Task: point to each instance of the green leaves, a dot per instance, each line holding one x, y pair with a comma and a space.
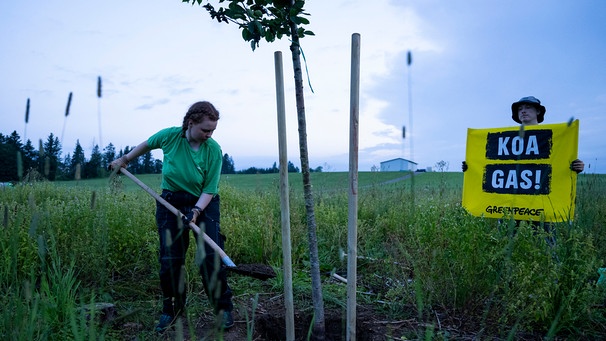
255, 29
236, 12
260, 19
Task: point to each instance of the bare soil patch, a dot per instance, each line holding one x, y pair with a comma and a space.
270, 325
371, 325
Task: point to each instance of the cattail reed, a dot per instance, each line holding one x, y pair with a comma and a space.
69, 103
26, 119
99, 109
77, 173
19, 165
40, 148
27, 112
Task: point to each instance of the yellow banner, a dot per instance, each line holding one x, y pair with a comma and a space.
522, 172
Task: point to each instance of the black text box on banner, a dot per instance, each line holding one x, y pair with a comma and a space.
532, 179
519, 145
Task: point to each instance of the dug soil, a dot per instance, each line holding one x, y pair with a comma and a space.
371, 325
269, 324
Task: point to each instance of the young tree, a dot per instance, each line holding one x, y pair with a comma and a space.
442, 166
271, 19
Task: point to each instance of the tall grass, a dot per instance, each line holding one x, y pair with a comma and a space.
422, 257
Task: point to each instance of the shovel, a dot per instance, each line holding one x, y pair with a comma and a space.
258, 271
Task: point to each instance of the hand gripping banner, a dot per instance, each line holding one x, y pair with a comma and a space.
522, 172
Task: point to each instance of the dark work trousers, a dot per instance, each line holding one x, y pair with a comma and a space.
174, 242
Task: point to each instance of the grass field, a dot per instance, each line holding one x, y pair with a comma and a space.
67, 244
334, 181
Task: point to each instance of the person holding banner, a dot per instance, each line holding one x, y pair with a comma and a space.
528, 111
523, 188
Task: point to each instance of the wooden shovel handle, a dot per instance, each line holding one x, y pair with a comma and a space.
224, 257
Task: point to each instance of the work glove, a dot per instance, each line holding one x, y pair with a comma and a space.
191, 216
464, 166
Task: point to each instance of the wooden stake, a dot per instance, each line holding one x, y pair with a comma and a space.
284, 200
352, 233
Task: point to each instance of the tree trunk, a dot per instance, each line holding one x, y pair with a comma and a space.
318, 330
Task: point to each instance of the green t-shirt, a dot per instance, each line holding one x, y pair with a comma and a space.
184, 169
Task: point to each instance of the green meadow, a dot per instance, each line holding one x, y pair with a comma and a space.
422, 257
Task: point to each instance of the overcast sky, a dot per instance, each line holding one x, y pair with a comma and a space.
471, 60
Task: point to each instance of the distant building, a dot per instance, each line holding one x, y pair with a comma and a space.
398, 165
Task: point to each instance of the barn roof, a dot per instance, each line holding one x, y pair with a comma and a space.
399, 158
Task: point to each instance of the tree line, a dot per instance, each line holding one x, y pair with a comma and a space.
22, 161
229, 168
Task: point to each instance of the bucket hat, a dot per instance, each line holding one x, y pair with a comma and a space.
528, 100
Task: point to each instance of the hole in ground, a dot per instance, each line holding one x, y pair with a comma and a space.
272, 327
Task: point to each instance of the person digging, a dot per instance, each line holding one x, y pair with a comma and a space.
190, 178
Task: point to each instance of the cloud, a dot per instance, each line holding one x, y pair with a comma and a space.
151, 105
